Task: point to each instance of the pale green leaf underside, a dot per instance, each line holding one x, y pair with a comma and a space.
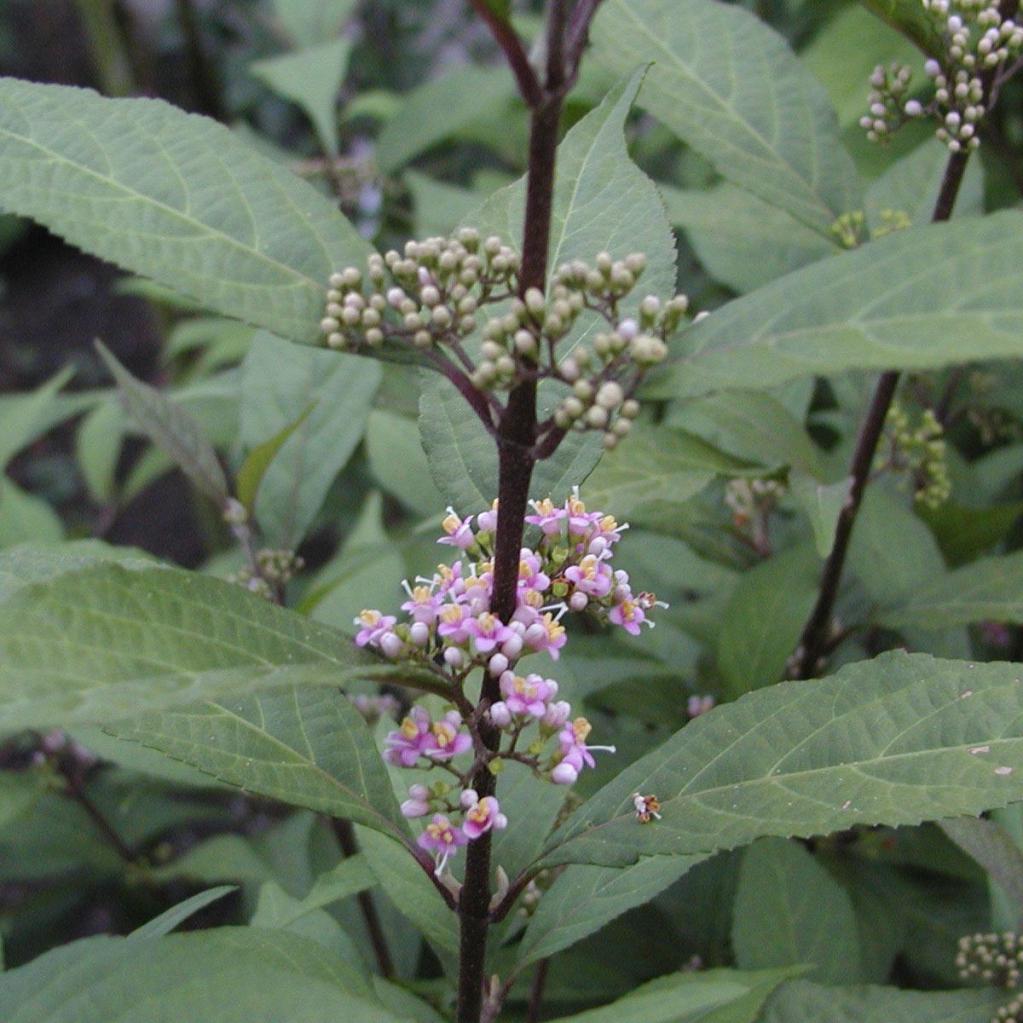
886, 305
173, 197
897, 740
744, 102
104, 642
990, 589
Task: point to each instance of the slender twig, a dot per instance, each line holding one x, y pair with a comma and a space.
515, 53
76, 790
817, 632
578, 36
536, 991
345, 834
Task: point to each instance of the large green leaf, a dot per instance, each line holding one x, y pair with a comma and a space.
313, 21
714, 996
745, 103
227, 975
886, 305
279, 384
174, 197
989, 589
584, 898
39, 562
105, 642
897, 740
804, 1002
790, 910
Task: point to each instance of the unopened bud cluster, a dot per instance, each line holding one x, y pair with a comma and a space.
431, 298
996, 959
977, 40
920, 451
451, 629
273, 568
750, 499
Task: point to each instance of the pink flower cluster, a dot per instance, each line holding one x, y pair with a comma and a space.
449, 627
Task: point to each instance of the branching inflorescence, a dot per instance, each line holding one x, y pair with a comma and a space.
978, 41
450, 628
433, 298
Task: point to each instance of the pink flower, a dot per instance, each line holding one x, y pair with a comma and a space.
629, 615
443, 839
580, 521
529, 696
481, 815
530, 576
697, 705
458, 532
592, 576
575, 754
546, 634
405, 745
373, 626
423, 604
445, 738
547, 516
487, 632
454, 621
418, 803
487, 521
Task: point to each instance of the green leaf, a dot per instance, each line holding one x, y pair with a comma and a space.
410, 890
98, 448
763, 619
105, 642
226, 975
171, 429
398, 462
912, 21
439, 207
583, 899
306, 745
804, 1002
745, 104
441, 108
990, 589
312, 78
823, 503
166, 922
885, 305
278, 909
25, 518
174, 197
657, 466
19, 792
258, 460
991, 845
741, 240
897, 740
687, 997
22, 421
279, 383
463, 457
790, 910
312, 21
40, 562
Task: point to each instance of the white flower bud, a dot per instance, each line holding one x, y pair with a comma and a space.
512, 646
497, 665
610, 395
500, 714
419, 633
454, 657
564, 774
596, 417
391, 645
578, 601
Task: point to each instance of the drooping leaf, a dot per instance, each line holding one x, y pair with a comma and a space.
277, 909
897, 740
763, 619
441, 108
258, 460
583, 899
163, 924
790, 910
311, 77
279, 383
226, 975
745, 104
712, 996
171, 429
805, 1002
312, 21
24, 419
885, 305
174, 197
105, 642
25, 518
990, 589
98, 448
823, 503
